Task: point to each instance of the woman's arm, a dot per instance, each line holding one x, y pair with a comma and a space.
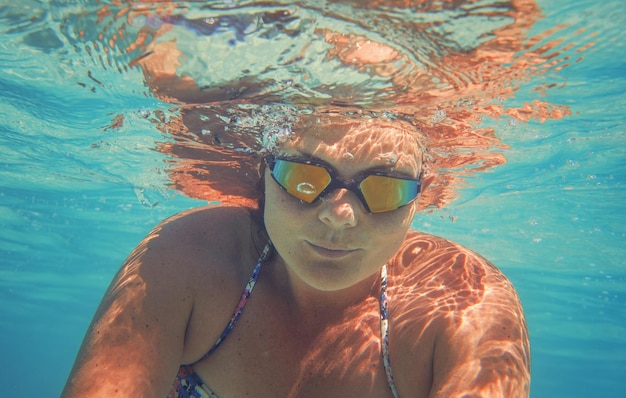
485, 350
134, 345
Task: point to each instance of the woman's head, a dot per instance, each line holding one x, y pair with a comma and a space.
336, 241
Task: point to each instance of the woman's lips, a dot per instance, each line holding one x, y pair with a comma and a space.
330, 251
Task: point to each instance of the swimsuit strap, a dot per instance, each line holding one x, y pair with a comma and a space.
384, 331
242, 301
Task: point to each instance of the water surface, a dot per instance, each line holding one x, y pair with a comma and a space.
83, 173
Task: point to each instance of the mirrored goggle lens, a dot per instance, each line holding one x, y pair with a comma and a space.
304, 181
383, 193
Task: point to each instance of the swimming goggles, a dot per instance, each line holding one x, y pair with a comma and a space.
309, 180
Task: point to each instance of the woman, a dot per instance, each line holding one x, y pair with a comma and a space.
339, 298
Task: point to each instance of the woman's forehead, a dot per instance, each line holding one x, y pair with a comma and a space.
372, 141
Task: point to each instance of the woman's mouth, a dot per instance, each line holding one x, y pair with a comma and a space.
330, 251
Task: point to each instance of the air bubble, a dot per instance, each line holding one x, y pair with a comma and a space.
139, 21
389, 158
439, 116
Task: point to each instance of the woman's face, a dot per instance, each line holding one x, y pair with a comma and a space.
335, 243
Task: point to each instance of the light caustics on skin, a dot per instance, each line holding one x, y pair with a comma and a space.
404, 65
439, 66
131, 284
459, 296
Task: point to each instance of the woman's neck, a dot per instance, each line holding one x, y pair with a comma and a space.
310, 306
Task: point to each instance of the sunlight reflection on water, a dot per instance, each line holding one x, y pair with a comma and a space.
82, 123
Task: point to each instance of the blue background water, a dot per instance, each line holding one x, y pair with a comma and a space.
75, 198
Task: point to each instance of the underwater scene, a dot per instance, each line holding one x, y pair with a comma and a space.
115, 115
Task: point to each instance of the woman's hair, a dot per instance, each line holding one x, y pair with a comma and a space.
221, 158
221, 132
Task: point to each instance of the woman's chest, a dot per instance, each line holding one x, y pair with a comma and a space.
281, 365
267, 354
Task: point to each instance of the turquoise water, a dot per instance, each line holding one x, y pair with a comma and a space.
76, 197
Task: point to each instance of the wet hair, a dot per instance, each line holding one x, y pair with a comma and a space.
218, 134
221, 131
220, 150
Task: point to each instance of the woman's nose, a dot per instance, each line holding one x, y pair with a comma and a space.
340, 209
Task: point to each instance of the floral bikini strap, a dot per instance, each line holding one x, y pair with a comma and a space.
384, 331
242, 301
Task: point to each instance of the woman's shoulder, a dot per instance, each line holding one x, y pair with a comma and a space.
210, 253
448, 303
455, 308
197, 244
434, 255
205, 224
440, 276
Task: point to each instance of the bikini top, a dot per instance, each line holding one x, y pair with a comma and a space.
188, 384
